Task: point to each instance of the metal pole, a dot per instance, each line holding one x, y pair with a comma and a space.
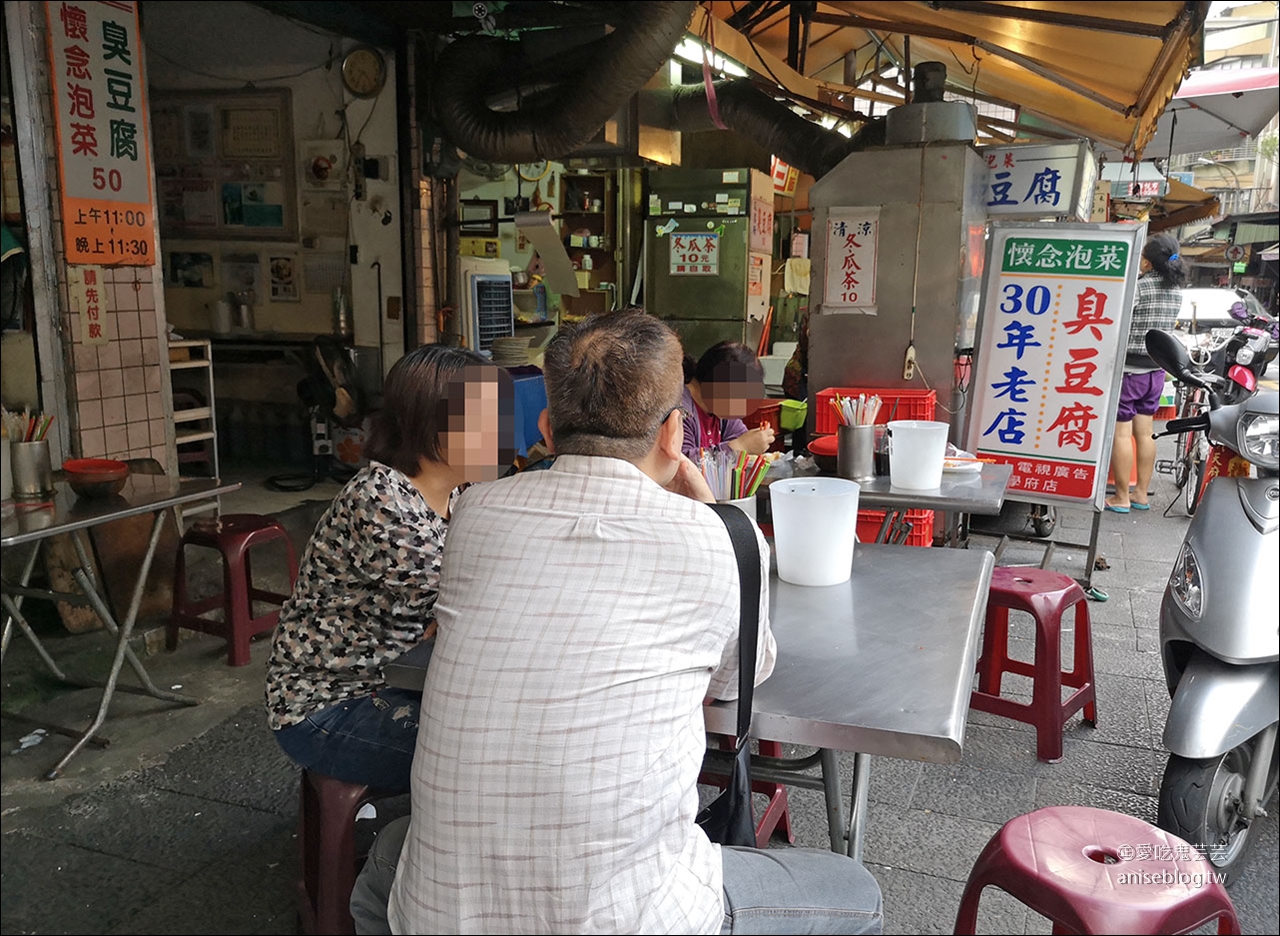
858, 806
831, 790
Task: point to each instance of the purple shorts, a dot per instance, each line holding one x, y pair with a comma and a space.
1139, 393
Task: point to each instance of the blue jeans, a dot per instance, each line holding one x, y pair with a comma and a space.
780, 890
368, 739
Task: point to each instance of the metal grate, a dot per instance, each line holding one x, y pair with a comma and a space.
492, 314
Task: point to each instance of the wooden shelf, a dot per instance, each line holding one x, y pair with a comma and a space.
188, 365
596, 213
193, 414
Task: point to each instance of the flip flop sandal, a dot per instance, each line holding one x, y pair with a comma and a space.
1136, 506
1115, 509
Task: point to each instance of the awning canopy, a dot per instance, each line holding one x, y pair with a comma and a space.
1104, 71
1182, 204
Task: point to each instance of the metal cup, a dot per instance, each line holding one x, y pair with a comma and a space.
855, 452
32, 472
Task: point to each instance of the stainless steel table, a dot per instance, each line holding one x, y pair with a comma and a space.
882, 664
30, 523
961, 492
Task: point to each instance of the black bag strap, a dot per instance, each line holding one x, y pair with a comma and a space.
742, 533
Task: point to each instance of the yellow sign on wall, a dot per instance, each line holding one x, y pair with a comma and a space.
100, 110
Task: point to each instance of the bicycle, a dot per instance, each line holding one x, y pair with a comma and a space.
1192, 447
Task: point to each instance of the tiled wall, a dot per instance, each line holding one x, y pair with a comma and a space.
120, 387
118, 397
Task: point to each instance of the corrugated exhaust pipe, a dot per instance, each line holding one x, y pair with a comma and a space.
752, 113
553, 124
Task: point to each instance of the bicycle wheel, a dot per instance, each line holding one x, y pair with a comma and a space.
1182, 463
1196, 464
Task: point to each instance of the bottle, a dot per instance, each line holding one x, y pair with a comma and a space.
540, 297
341, 313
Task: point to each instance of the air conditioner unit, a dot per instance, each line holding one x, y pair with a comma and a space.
488, 311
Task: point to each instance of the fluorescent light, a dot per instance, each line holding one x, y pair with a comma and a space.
691, 51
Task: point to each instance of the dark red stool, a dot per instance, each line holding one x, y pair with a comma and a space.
1093, 871
1046, 596
327, 859
233, 536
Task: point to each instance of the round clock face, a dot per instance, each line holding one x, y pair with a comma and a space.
364, 71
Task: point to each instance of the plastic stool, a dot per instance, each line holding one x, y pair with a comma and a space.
327, 859
1046, 596
232, 536
1073, 864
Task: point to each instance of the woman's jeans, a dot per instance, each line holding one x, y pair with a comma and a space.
368, 740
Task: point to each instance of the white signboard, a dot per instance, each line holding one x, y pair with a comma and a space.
853, 239
1055, 319
1039, 181
695, 254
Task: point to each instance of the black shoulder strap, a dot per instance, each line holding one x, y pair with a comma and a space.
746, 548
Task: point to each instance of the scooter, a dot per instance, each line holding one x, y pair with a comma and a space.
1218, 626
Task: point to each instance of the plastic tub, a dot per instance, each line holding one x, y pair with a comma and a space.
814, 526
917, 450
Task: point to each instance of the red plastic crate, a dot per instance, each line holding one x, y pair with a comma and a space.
768, 415
912, 404
921, 525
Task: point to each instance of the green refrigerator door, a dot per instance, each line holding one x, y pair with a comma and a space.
686, 277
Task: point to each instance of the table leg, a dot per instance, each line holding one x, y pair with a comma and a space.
16, 617
13, 614
831, 790
124, 631
858, 804
88, 584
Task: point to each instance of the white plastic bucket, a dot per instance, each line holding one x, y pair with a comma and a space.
814, 528
917, 450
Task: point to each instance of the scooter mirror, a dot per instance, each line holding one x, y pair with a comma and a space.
1171, 354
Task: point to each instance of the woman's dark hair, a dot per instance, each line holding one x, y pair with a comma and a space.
728, 360
421, 393
1161, 252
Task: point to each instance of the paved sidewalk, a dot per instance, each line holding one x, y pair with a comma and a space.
160, 834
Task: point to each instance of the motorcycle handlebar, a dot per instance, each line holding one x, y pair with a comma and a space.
1190, 424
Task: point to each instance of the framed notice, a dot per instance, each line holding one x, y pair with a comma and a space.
1051, 341
100, 110
853, 242
694, 255
225, 165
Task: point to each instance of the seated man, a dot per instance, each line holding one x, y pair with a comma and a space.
584, 614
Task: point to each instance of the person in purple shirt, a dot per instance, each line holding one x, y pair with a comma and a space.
723, 386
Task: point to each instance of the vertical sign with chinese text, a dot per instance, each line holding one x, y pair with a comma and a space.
1055, 319
104, 164
88, 297
853, 236
695, 255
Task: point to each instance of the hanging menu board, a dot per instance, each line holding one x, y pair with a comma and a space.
853, 243
1051, 341
100, 108
224, 164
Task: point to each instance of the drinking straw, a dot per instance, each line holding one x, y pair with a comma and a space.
48, 421
29, 435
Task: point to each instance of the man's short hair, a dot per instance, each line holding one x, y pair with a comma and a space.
611, 381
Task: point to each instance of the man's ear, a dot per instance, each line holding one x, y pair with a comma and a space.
670, 440
544, 426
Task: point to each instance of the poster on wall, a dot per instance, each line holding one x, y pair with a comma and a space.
85, 284
191, 270
225, 170
1055, 318
695, 255
100, 111
853, 240
284, 278
241, 273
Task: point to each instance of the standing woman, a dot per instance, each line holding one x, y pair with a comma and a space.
367, 588
1158, 301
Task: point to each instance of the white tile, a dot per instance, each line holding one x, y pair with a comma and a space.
112, 383
93, 443
90, 414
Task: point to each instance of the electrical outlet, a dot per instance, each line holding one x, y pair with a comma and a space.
909, 363
359, 189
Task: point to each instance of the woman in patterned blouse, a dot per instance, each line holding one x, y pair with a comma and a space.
367, 587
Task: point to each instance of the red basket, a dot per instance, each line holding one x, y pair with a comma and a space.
911, 404
768, 415
921, 521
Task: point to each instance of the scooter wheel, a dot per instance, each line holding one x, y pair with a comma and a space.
1199, 803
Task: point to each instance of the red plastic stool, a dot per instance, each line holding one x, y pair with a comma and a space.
233, 537
777, 815
1046, 596
1093, 871
327, 859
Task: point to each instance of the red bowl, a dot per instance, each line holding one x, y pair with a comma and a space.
96, 477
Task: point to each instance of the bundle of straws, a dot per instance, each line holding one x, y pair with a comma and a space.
25, 427
732, 475
856, 411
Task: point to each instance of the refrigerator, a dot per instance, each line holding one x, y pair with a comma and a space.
708, 253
